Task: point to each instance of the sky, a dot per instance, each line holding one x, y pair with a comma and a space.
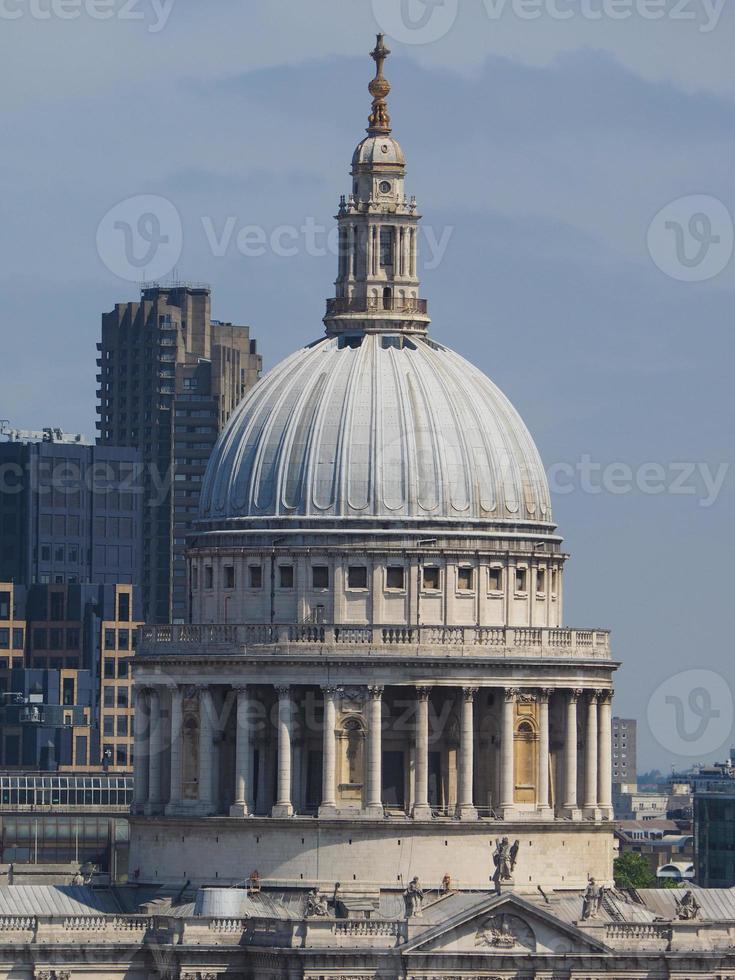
574, 161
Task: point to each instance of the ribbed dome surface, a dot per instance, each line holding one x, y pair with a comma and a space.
378, 431
379, 150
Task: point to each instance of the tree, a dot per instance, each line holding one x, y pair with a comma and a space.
631, 870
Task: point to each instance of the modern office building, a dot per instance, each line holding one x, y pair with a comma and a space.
169, 379
624, 753
714, 827
65, 678
70, 512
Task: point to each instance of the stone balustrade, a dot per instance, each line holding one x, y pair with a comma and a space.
323, 639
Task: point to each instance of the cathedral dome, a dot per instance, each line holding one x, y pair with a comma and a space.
387, 428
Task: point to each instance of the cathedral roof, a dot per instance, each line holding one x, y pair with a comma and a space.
396, 428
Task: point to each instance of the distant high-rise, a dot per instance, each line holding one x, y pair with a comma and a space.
169, 379
70, 512
625, 752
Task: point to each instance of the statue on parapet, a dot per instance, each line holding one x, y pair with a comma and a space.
316, 904
505, 859
414, 899
688, 907
592, 900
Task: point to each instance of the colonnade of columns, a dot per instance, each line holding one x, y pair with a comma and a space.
585, 752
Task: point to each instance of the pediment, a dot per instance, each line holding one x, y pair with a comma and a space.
503, 926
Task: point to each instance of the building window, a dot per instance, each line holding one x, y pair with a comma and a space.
72, 639
320, 577
18, 639
108, 725
123, 668
109, 668
68, 692
109, 639
255, 573
109, 696
465, 579
229, 576
208, 577
123, 607
39, 639
56, 613
286, 577
122, 725
521, 579
496, 579
123, 639
541, 580
56, 639
5, 605
432, 578
395, 578
4, 639
122, 697
357, 577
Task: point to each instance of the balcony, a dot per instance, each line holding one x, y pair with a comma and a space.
393, 304
321, 640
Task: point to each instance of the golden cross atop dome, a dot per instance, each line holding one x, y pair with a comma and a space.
379, 89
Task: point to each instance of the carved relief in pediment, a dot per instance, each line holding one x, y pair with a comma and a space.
505, 932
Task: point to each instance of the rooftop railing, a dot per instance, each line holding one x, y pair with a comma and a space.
470, 641
380, 304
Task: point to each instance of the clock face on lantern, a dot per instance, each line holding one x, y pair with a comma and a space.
385, 187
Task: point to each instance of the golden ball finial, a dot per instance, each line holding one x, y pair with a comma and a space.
379, 88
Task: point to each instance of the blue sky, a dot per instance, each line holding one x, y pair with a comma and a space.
540, 149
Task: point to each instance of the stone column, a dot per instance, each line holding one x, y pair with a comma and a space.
155, 743
465, 797
374, 801
421, 808
507, 757
206, 751
604, 748
591, 759
329, 754
177, 701
570, 756
283, 806
140, 748
242, 754
543, 804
